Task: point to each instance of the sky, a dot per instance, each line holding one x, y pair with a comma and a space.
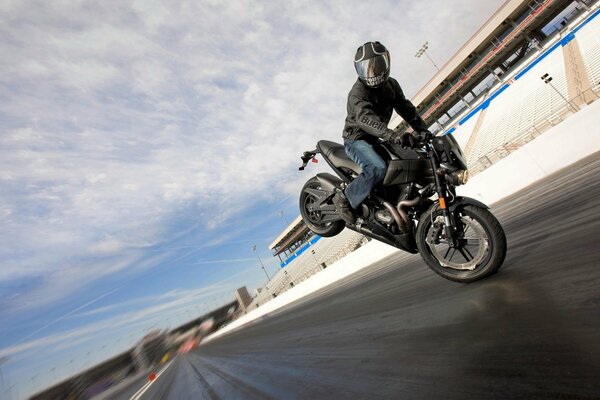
147, 146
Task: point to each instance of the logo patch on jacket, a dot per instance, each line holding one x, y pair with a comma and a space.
372, 123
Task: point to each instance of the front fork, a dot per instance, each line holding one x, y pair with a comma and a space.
441, 189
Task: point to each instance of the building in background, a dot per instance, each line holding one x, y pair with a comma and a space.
243, 298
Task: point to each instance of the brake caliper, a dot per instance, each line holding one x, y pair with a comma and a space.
437, 231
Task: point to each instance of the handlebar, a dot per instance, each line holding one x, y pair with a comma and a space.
306, 157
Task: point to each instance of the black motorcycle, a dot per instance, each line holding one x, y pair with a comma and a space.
415, 208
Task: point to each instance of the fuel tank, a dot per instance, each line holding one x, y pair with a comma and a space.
405, 171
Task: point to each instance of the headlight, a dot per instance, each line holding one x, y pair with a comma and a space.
462, 176
459, 177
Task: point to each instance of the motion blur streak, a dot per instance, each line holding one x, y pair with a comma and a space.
531, 331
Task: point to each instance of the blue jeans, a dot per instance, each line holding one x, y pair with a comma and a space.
373, 170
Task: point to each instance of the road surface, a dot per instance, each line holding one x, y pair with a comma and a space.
402, 332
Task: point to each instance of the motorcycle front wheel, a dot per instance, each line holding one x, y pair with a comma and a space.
481, 244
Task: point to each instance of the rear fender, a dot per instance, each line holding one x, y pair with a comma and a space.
329, 182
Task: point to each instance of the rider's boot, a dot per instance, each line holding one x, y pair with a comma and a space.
343, 208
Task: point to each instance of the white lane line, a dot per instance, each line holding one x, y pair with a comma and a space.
143, 389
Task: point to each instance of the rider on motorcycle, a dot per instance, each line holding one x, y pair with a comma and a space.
370, 103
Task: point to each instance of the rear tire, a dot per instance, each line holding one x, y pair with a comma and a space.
488, 245
314, 219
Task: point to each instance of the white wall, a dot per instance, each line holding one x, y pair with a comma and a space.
353, 262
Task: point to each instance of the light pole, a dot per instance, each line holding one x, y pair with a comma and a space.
287, 278
282, 215
314, 256
32, 380
261, 263
547, 79
9, 391
322, 264
3, 361
423, 51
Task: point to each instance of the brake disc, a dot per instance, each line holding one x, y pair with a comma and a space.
446, 255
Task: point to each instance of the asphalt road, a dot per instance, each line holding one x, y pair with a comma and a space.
402, 332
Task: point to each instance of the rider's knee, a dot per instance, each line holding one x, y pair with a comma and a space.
379, 171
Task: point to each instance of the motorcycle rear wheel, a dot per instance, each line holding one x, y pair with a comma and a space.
481, 251
315, 219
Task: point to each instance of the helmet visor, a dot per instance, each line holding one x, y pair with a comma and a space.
373, 69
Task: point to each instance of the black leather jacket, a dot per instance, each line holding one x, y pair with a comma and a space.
370, 110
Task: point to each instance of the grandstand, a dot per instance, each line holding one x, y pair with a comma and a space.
532, 64
516, 30
312, 257
292, 241
500, 111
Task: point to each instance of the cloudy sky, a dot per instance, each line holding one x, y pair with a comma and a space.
146, 146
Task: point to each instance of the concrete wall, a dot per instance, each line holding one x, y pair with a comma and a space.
575, 138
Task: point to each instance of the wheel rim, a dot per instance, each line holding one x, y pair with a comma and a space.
474, 244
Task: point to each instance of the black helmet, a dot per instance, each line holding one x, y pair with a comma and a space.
372, 63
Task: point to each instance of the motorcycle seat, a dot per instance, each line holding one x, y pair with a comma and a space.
336, 154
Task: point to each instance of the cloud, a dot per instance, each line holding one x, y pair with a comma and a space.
33, 333
148, 133
122, 115
156, 307
127, 126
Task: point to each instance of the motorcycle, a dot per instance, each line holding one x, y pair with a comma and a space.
415, 208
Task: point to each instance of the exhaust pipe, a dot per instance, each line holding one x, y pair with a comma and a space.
405, 220
394, 213
399, 214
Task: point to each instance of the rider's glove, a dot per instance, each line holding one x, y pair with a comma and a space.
424, 135
404, 139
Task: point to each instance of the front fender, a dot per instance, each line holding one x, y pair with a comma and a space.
459, 202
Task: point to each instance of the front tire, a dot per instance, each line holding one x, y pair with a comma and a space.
317, 221
482, 248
